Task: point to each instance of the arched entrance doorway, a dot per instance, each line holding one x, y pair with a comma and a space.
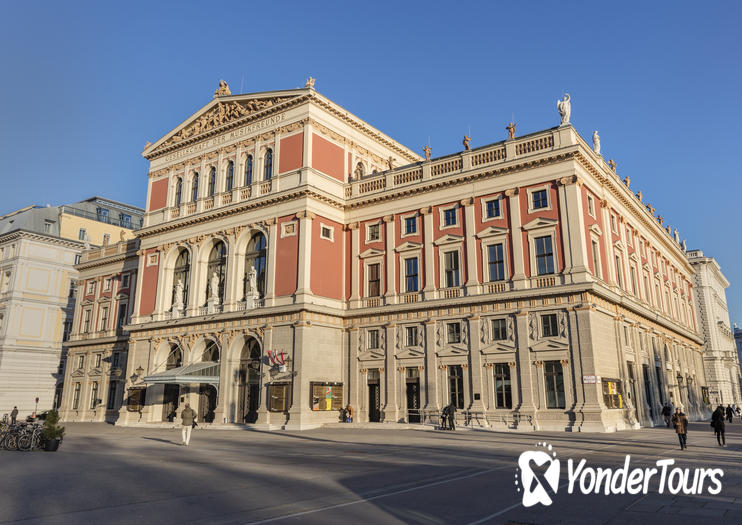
207, 393
171, 392
248, 382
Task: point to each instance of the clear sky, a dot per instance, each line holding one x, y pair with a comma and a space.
85, 85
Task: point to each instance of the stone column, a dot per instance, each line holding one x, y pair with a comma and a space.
137, 299
475, 354
391, 407
390, 270
222, 398
431, 380
303, 288
608, 245
354, 262
300, 388
472, 276
353, 385
194, 279
516, 237
528, 392
270, 278
588, 408
429, 290
263, 414
231, 281
572, 222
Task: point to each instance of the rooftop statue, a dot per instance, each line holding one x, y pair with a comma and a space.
612, 164
565, 108
466, 142
427, 151
511, 130
390, 162
310, 82
223, 90
596, 142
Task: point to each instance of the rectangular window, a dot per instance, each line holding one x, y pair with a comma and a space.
633, 281
496, 262
453, 333
612, 393
137, 397
91, 287
86, 322
493, 208
554, 377
456, 386
410, 225
76, 397
373, 339
591, 206
374, 280
80, 362
596, 261
125, 220
374, 233
111, 396
278, 397
115, 360
410, 336
619, 274
629, 239
544, 255
614, 228
451, 262
102, 214
78, 258
67, 330
47, 227
449, 217
499, 330
121, 317
540, 199
647, 290
98, 360
125, 280
411, 278
503, 395
326, 396
107, 284
326, 233
549, 326
82, 234
104, 318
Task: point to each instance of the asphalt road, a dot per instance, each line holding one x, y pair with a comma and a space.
105, 474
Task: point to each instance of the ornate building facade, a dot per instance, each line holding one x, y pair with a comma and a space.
720, 352
294, 259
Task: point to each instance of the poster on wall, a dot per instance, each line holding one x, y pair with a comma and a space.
326, 396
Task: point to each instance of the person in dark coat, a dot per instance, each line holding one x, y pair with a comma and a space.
667, 413
730, 413
189, 419
13, 415
444, 417
717, 421
451, 414
680, 423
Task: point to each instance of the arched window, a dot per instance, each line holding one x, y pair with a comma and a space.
211, 353
217, 265
174, 358
248, 170
230, 176
181, 274
255, 258
178, 191
268, 164
194, 187
212, 182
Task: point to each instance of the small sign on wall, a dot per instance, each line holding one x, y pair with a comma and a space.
590, 380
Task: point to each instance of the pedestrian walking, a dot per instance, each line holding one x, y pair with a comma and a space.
717, 421
680, 423
730, 413
189, 421
451, 415
667, 413
13, 415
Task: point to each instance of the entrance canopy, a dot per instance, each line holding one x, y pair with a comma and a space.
207, 372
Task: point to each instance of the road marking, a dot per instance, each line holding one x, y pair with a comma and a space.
386, 495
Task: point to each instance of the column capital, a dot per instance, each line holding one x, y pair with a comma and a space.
352, 226
511, 192
566, 181
426, 210
388, 218
467, 202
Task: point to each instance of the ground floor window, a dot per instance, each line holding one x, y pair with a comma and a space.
278, 397
76, 397
327, 396
456, 385
612, 393
503, 395
136, 400
554, 377
111, 396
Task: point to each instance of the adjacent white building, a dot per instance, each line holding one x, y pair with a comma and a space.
720, 357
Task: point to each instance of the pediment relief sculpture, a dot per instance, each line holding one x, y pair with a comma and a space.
223, 113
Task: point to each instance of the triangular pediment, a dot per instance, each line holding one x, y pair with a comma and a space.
410, 353
77, 373
550, 344
596, 229
449, 239
498, 347
492, 231
408, 246
368, 355
222, 111
450, 351
371, 252
618, 244
540, 222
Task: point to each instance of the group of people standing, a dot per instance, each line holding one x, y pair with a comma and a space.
718, 422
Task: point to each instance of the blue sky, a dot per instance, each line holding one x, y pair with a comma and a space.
85, 85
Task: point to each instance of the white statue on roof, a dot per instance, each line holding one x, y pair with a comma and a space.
596, 142
565, 108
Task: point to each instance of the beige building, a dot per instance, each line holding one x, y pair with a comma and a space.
294, 259
719, 350
39, 247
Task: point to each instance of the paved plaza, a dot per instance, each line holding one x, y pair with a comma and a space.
347, 474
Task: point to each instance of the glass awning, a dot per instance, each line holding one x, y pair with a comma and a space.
207, 372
